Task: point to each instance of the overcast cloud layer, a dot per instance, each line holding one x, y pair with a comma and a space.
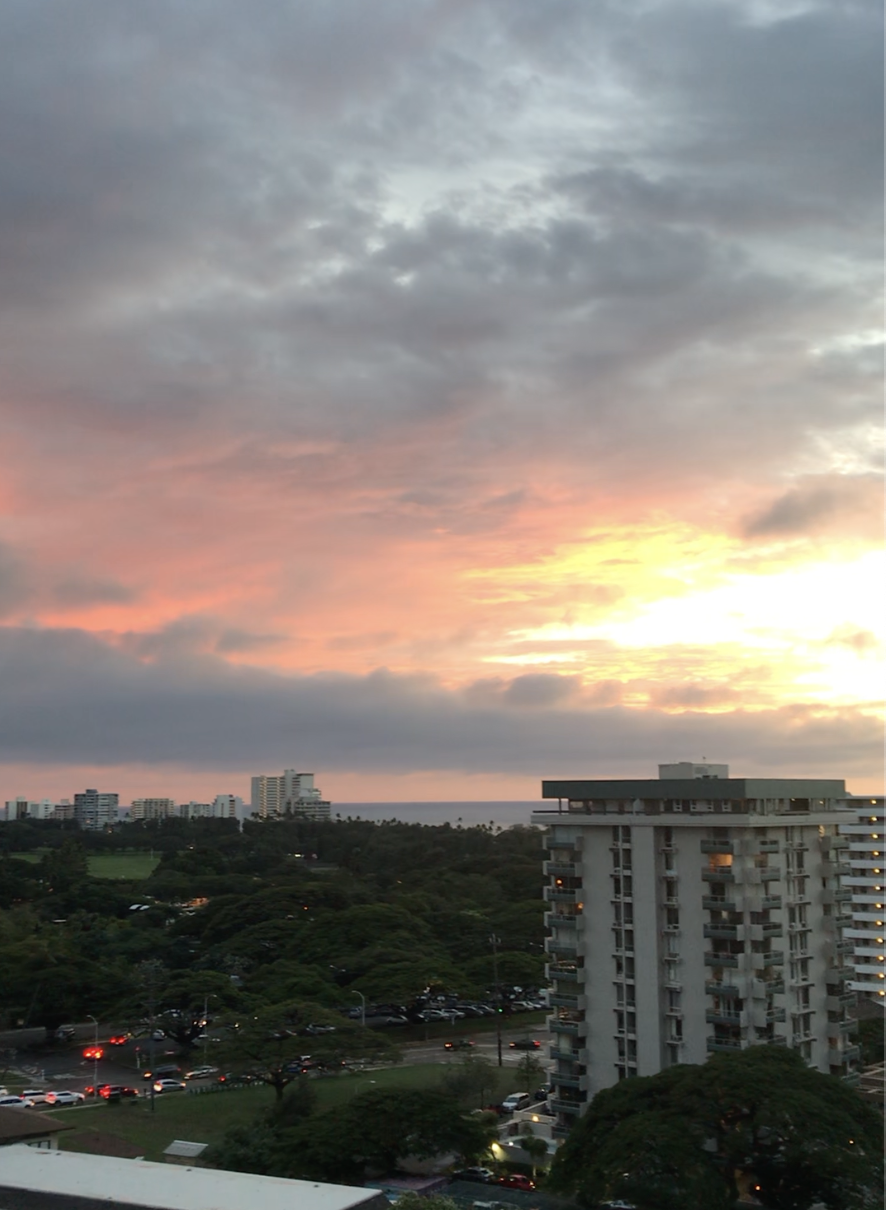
439, 387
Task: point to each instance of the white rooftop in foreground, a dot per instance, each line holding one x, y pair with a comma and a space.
164, 1186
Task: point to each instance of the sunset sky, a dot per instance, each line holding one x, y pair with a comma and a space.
439, 395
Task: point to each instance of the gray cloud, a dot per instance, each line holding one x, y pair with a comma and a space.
811, 506
81, 701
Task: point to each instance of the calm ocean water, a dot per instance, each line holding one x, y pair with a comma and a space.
468, 814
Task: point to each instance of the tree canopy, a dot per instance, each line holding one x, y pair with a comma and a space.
757, 1121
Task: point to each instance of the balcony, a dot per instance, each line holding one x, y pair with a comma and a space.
560, 869
768, 846
564, 1056
838, 974
564, 949
714, 988
771, 903
770, 1015
561, 1132
769, 873
722, 873
848, 1026
730, 960
566, 974
563, 1081
717, 846
725, 932
560, 920
557, 1001
713, 903
836, 895
849, 1054
564, 1025
767, 987
572, 1107
553, 894
836, 1004
723, 1016
759, 961
844, 947
834, 842
762, 932
724, 1044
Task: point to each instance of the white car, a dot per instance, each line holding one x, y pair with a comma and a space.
169, 1086
201, 1073
65, 1097
16, 1103
36, 1095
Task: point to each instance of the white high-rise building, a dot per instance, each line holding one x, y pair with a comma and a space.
690, 915
93, 809
152, 808
865, 880
22, 808
290, 794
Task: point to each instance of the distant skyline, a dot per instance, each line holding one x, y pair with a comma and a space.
439, 395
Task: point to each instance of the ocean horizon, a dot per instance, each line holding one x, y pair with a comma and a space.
507, 814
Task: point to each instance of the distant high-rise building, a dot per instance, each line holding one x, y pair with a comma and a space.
95, 810
290, 794
864, 894
151, 808
690, 915
23, 808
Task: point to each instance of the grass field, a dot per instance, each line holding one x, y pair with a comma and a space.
123, 865
204, 1119
108, 865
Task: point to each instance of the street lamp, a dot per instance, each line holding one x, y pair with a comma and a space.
94, 1057
362, 1006
493, 940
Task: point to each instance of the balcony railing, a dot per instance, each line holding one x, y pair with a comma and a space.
560, 869
558, 1001
713, 903
554, 894
725, 932
730, 960
722, 873
717, 846
722, 1016
713, 988
727, 1044
573, 1107
770, 903
767, 846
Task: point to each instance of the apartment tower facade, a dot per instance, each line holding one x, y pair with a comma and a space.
692, 914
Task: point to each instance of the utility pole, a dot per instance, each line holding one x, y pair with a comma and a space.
494, 941
94, 1057
362, 1006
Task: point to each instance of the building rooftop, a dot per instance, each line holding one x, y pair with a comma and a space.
713, 789
16, 1125
32, 1179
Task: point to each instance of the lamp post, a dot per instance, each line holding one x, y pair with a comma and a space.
494, 942
94, 1056
362, 1006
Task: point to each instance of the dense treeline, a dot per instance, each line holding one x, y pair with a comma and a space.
289, 910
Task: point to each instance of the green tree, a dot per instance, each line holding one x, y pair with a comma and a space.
471, 1081
536, 1148
699, 1135
270, 1044
529, 1072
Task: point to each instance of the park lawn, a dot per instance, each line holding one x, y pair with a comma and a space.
131, 866
204, 1119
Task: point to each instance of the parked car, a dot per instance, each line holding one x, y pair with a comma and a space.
517, 1100
516, 1180
169, 1086
458, 1044
525, 1044
484, 1175
201, 1073
65, 1033
65, 1097
317, 1029
12, 1102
